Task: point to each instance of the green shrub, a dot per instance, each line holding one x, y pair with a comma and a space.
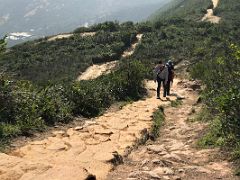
20, 107
144, 27
54, 105
127, 82
214, 137
222, 78
176, 103
158, 120
90, 98
205, 115
9, 130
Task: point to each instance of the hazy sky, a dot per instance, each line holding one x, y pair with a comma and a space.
45, 17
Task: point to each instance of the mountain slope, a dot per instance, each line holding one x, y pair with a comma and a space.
188, 9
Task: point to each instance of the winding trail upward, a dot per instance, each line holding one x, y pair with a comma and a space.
97, 70
62, 36
209, 16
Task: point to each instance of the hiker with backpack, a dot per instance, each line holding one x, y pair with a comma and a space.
161, 77
170, 67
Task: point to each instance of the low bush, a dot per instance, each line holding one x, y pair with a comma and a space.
54, 105
221, 75
19, 108
158, 120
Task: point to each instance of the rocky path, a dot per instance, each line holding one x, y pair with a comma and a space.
174, 155
81, 151
94, 149
209, 16
97, 70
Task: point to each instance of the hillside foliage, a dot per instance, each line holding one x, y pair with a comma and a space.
41, 61
25, 108
211, 53
187, 9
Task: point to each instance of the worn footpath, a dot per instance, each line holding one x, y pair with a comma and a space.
78, 152
175, 155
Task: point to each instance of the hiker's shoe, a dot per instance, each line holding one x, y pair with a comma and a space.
167, 98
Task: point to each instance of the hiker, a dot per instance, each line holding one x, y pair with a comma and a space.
161, 77
170, 67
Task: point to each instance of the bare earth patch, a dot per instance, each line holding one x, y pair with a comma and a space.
97, 70
62, 36
174, 155
209, 16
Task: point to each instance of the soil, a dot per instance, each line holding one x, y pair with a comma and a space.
209, 16
175, 155
97, 70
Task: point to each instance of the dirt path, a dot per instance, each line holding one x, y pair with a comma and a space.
174, 155
96, 147
61, 36
77, 152
209, 16
215, 3
97, 70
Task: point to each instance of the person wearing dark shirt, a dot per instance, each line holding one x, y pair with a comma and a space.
170, 68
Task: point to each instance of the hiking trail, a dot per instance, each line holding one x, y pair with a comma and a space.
174, 155
76, 153
97, 70
96, 147
62, 36
209, 16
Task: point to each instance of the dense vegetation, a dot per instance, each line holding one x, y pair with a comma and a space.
38, 87
25, 108
41, 61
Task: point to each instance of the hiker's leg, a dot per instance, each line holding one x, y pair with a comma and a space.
168, 88
158, 87
164, 89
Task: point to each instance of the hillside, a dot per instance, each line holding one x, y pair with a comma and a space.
38, 90
187, 9
64, 59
